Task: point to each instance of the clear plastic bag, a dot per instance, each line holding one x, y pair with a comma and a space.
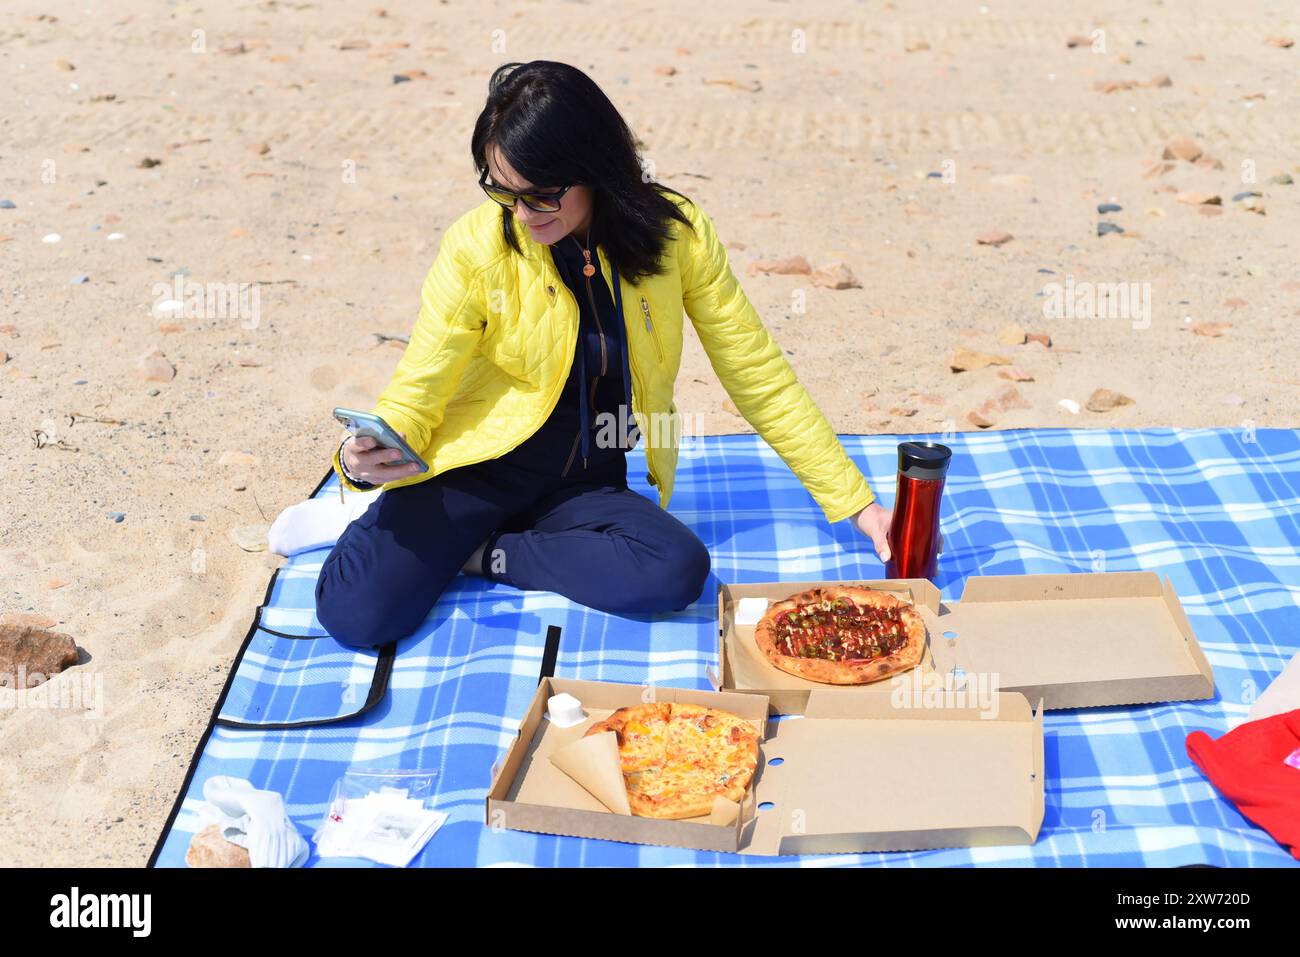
382, 815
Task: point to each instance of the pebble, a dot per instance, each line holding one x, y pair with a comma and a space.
197, 518
154, 367
1200, 199
1183, 148
81, 382
116, 516
8, 204
1253, 204
994, 238
1248, 194
1009, 397
1104, 208
154, 391
400, 78
1282, 179
80, 279
1015, 374
114, 237
835, 275
51, 238
1211, 330
965, 360
1069, 405
251, 538
1041, 338
1012, 335
788, 266
1103, 400
1104, 228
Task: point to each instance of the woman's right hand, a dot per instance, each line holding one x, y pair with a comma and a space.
369, 461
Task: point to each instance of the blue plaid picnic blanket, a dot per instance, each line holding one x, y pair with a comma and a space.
1214, 509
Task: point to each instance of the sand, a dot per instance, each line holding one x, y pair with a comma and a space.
293, 161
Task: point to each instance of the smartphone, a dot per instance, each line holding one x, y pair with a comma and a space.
367, 423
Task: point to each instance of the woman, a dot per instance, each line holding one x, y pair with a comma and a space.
548, 340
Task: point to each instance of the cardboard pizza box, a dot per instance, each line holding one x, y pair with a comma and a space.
1073, 640
868, 772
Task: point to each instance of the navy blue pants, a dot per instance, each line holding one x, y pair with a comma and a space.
592, 540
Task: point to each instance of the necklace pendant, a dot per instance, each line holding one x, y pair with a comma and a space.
589, 270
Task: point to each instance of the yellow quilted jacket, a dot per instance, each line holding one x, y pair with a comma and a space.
497, 331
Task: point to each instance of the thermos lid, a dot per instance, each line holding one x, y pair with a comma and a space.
923, 460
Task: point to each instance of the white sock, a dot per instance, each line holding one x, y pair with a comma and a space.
316, 523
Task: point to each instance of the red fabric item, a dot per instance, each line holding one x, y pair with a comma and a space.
1246, 765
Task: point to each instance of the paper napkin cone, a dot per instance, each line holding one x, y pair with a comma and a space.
594, 763
724, 811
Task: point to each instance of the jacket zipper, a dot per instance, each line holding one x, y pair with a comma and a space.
639, 388
659, 349
604, 360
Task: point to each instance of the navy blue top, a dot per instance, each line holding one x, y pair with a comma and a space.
600, 359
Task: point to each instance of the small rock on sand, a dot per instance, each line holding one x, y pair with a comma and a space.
1012, 335
251, 538
1103, 400
38, 652
1200, 199
154, 367
835, 275
995, 238
966, 360
1183, 148
1015, 374
789, 266
1008, 397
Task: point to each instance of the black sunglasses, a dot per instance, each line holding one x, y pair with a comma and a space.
537, 202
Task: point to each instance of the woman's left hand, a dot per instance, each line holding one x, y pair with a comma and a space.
873, 521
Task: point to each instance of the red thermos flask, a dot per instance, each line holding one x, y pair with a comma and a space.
914, 530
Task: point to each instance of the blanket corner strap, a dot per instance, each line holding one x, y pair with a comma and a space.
378, 688
549, 655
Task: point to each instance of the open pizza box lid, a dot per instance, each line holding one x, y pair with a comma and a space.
1072, 640
856, 773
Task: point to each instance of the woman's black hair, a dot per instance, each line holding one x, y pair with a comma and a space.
556, 127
